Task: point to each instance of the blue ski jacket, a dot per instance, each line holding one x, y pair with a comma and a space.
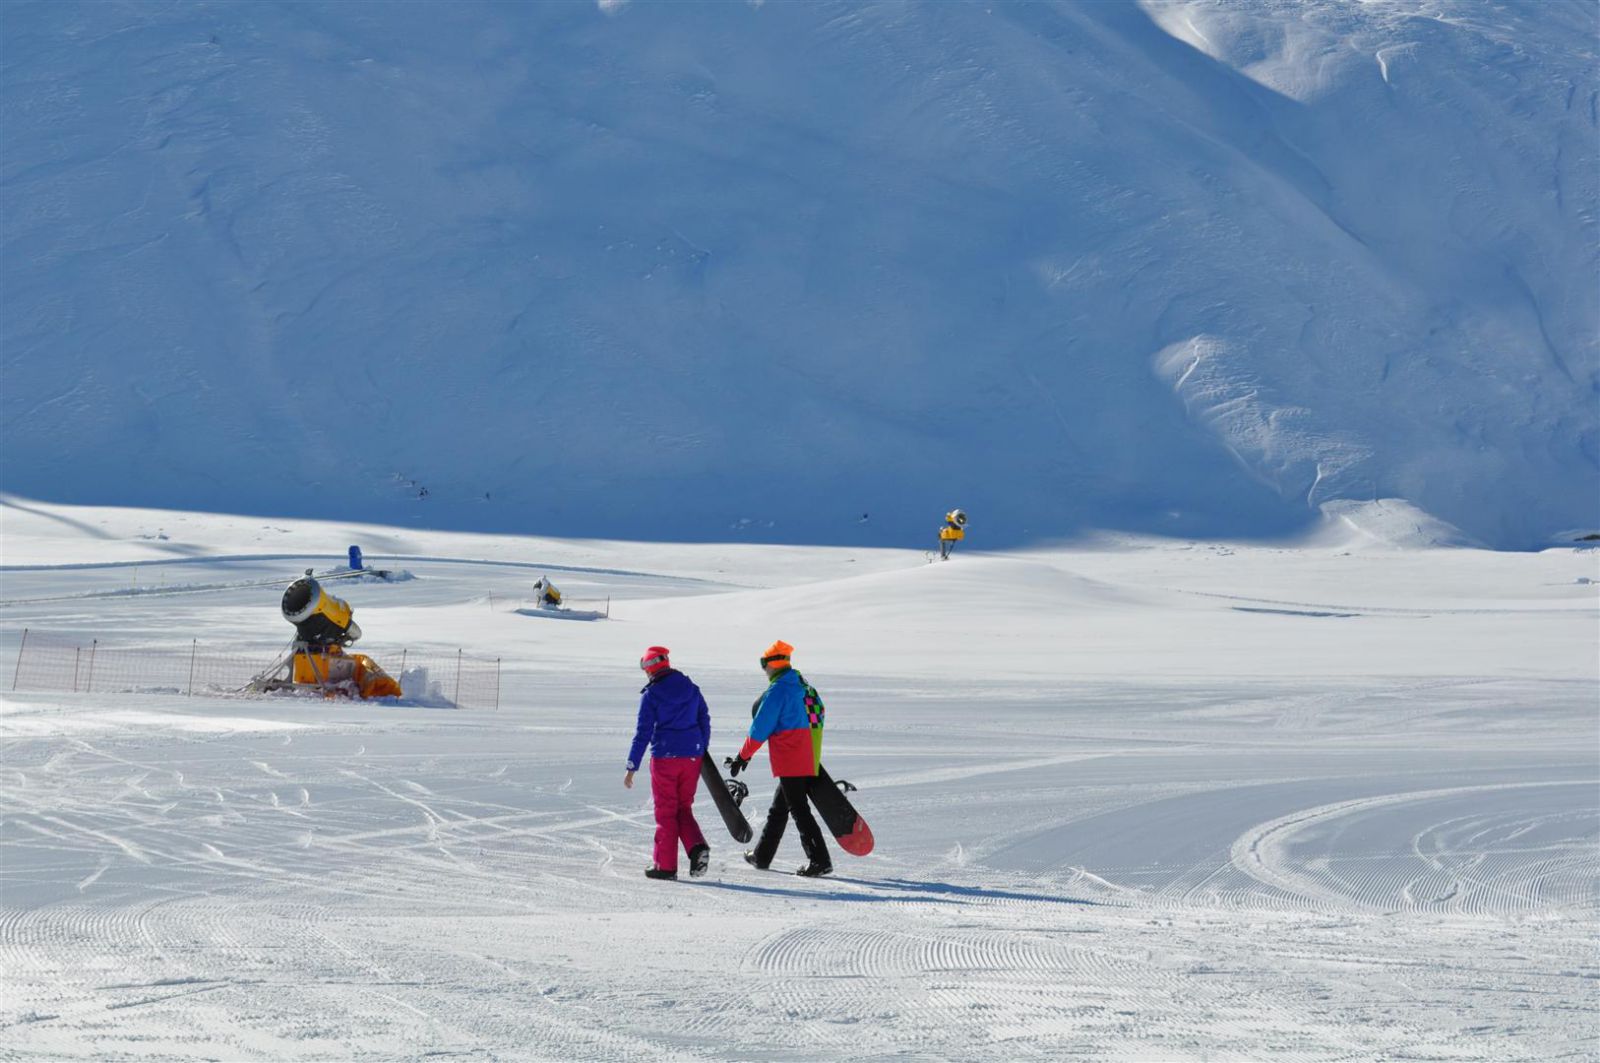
673, 719
786, 715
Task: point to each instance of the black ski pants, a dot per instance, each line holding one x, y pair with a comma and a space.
792, 799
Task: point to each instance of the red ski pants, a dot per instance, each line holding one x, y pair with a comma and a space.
672, 783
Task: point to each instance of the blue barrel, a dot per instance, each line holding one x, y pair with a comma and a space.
355, 558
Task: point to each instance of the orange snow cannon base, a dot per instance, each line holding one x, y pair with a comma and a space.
338, 672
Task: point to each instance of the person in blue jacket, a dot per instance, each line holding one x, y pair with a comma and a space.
676, 724
791, 728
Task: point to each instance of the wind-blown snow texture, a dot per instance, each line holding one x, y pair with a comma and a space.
1139, 800
680, 270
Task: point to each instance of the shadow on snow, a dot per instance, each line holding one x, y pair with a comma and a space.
903, 889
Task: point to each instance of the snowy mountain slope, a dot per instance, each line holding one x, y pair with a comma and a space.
706, 271
1148, 799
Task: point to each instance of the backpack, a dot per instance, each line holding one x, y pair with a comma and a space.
816, 712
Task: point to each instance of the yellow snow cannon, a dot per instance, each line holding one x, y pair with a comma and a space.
323, 626
545, 594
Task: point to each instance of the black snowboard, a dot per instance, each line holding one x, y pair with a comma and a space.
841, 817
737, 825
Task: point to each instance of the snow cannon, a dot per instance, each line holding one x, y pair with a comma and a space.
318, 617
322, 628
545, 594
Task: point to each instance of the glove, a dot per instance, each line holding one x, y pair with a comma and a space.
736, 764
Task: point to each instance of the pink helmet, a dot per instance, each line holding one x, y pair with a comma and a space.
655, 661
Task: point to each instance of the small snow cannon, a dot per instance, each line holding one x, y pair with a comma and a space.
545, 595
951, 532
323, 626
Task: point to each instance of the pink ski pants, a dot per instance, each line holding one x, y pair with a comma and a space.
672, 783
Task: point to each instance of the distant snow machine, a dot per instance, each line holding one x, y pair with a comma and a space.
545, 595
549, 604
316, 660
358, 568
951, 532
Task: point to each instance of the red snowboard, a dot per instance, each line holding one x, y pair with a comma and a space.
846, 824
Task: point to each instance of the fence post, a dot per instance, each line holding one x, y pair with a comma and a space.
88, 683
608, 607
18, 673
403, 662
497, 684
458, 678
77, 654
194, 644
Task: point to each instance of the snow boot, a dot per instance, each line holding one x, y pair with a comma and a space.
656, 872
750, 858
814, 870
699, 860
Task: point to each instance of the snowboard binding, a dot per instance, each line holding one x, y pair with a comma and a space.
738, 791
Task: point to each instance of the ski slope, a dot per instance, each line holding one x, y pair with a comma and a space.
1134, 799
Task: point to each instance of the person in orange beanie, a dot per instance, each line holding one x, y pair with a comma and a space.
783, 718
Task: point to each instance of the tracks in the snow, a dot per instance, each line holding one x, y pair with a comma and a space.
1484, 871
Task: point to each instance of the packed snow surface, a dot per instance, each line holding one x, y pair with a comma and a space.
806, 272
1134, 799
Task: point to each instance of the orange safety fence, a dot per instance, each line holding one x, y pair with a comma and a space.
47, 662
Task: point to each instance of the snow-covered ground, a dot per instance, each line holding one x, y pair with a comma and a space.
808, 274
1134, 799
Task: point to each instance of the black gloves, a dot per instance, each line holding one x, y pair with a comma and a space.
736, 764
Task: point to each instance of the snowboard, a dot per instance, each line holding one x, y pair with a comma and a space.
732, 818
840, 816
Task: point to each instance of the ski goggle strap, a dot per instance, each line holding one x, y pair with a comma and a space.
647, 663
775, 657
